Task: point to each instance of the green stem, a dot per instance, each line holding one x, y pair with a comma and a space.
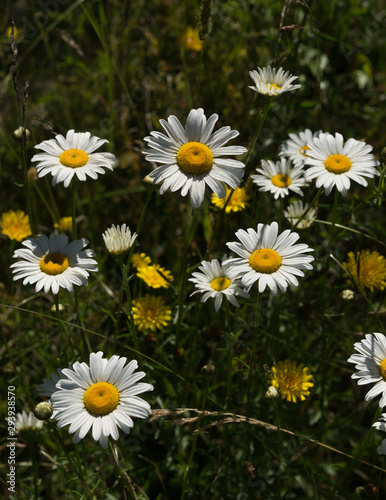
259, 128
73, 205
62, 326
358, 455
127, 482
130, 306
188, 220
45, 202
229, 343
253, 352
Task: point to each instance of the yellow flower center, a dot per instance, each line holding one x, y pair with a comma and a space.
272, 86
382, 369
220, 283
54, 263
101, 398
265, 261
281, 180
304, 148
195, 158
337, 164
73, 158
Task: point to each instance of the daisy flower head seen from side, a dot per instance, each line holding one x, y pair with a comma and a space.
371, 363
279, 178
238, 200
295, 147
272, 82
292, 380
213, 283
118, 239
367, 269
299, 215
271, 260
26, 421
193, 157
53, 263
72, 155
102, 396
335, 163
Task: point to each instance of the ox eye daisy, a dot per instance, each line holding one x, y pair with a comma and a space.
54, 263
192, 157
295, 148
15, 225
371, 363
151, 313
272, 82
213, 283
335, 163
27, 422
155, 276
292, 380
380, 425
279, 178
238, 201
118, 239
102, 396
72, 156
299, 215
367, 268
271, 260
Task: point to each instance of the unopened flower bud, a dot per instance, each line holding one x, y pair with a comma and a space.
271, 393
347, 295
383, 154
43, 411
18, 133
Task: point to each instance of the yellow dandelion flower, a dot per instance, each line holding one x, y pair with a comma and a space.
237, 202
140, 260
191, 40
291, 380
155, 276
15, 225
151, 313
65, 224
367, 268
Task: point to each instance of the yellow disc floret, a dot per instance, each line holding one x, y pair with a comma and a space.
265, 261
101, 398
281, 180
382, 369
273, 86
220, 283
337, 164
54, 263
73, 158
195, 158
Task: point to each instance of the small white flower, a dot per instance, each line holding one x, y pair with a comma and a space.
272, 82
213, 282
27, 421
118, 240
336, 164
102, 396
371, 363
380, 425
267, 258
192, 157
295, 212
279, 178
295, 147
73, 155
53, 263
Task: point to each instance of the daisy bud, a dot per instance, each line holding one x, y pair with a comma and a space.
19, 132
347, 295
383, 154
271, 393
43, 411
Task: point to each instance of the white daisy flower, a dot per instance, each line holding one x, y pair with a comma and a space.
295, 213
73, 155
380, 425
272, 82
102, 395
27, 422
267, 258
193, 157
371, 363
335, 164
295, 147
279, 178
214, 283
118, 240
53, 263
